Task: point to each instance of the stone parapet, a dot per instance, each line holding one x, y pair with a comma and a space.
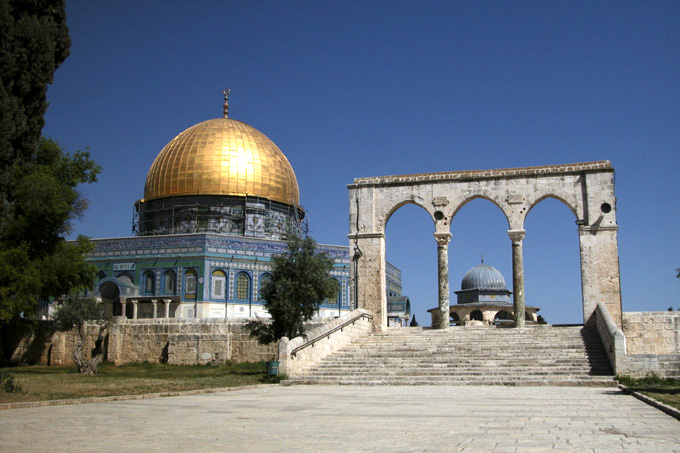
612, 337
546, 170
322, 342
649, 342
656, 332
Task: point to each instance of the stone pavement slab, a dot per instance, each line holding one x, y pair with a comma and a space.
351, 418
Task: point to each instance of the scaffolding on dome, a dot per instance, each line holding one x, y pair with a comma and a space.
249, 216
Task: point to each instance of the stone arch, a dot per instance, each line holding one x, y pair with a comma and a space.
476, 315
502, 317
486, 197
574, 209
416, 202
110, 291
553, 237
588, 188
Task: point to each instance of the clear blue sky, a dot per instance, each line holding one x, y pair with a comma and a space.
352, 88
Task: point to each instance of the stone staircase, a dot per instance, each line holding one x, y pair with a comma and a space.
537, 355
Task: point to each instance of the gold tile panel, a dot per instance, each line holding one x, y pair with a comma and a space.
222, 157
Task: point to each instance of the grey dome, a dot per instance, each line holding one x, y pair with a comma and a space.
483, 276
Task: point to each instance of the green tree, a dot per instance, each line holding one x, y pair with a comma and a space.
35, 41
35, 260
38, 196
299, 283
75, 313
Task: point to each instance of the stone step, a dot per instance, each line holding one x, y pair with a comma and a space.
510, 373
492, 356
423, 366
476, 382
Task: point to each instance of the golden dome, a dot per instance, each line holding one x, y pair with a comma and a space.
222, 157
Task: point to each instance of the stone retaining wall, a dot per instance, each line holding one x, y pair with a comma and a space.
652, 343
662, 365
653, 332
176, 341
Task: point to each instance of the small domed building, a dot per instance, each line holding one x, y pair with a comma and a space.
220, 200
483, 299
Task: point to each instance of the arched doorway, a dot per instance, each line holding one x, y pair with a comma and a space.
110, 293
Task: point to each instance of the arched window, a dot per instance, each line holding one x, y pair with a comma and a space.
476, 316
242, 287
149, 282
190, 281
502, 317
264, 280
218, 284
170, 279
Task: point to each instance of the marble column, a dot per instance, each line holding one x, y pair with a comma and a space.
167, 307
516, 236
134, 309
123, 301
443, 276
155, 307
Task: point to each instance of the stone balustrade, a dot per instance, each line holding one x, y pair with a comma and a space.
327, 342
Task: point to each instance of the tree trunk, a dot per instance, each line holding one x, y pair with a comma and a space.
89, 367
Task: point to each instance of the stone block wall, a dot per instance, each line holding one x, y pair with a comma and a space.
215, 342
662, 365
652, 343
45, 347
654, 332
176, 341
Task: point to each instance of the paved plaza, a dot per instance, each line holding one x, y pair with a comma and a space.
351, 418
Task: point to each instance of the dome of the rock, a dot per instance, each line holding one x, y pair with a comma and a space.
222, 156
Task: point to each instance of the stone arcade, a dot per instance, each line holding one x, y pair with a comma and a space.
586, 188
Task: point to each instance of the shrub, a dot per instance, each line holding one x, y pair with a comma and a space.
7, 383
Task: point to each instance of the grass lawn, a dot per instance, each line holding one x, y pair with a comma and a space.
41, 383
666, 391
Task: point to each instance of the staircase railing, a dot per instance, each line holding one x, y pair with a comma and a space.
613, 339
296, 354
330, 332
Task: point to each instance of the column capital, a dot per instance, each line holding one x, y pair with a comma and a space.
442, 239
516, 235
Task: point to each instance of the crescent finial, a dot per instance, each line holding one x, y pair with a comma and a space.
226, 102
